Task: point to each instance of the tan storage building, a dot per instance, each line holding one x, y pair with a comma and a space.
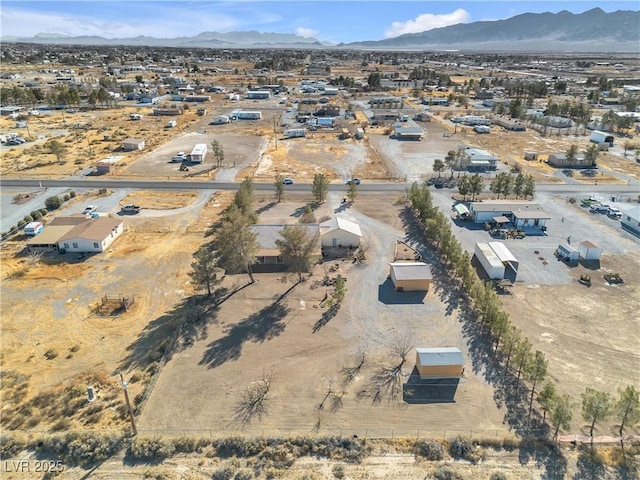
410, 276
442, 362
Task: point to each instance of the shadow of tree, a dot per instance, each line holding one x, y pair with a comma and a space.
590, 465
266, 207
326, 317
258, 327
545, 454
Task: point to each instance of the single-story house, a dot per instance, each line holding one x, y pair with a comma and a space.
92, 235
589, 251
443, 362
402, 131
410, 276
477, 160
560, 160
631, 219
339, 232
108, 165
520, 212
131, 144
386, 102
48, 239
266, 236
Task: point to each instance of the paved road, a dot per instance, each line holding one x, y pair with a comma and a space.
299, 187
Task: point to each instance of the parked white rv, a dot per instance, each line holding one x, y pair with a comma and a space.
601, 137
295, 132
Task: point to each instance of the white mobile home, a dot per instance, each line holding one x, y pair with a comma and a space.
338, 232
258, 94
93, 235
245, 115
295, 132
199, 153
220, 120
631, 220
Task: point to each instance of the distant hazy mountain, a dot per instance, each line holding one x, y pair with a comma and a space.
593, 30
204, 39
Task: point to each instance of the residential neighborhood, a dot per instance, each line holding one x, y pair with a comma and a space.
343, 255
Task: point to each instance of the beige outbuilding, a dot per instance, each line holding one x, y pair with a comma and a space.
442, 362
410, 276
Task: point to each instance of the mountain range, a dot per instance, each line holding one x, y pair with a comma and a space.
590, 31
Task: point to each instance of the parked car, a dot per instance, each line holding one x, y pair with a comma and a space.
355, 181
287, 181
614, 212
600, 208
89, 209
131, 209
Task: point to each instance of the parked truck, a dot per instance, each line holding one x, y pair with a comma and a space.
601, 137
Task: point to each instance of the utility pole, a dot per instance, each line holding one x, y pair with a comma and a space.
126, 399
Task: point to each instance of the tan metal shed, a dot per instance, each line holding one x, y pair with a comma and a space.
441, 362
410, 276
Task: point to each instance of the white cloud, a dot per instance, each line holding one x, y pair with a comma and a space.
427, 21
122, 23
306, 32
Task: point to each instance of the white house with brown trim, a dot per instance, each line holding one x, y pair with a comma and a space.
92, 235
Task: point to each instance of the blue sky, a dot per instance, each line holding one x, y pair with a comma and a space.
328, 20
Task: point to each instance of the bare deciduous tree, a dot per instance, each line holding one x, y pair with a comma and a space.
350, 373
254, 400
387, 379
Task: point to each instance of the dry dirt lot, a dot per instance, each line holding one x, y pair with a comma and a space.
250, 335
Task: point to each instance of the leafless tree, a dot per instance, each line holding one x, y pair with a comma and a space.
34, 256
326, 396
350, 373
387, 379
254, 400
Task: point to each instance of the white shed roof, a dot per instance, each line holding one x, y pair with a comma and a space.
503, 253
411, 271
440, 356
337, 223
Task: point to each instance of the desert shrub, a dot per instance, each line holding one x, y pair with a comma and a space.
11, 444
72, 194
28, 218
151, 447
74, 349
430, 450
498, 476
185, 445
338, 471
102, 191
460, 448
445, 473
61, 425
244, 475
137, 400
53, 203
84, 448
36, 215
239, 447
21, 223
44, 211
13, 229
224, 473
136, 377
50, 354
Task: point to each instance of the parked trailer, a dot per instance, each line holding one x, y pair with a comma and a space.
199, 153
489, 261
240, 115
33, 228
601, 137
295, 132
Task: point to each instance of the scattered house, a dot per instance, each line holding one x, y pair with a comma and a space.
410, 276
477, 160
9, 110
386, 102
589, 251
442, 362
197, 98
295, 132
92, 235
338, 232
48, 239
258, 94
560, 160
519, 212
107, 165
331, 91
402, 131
328, 111
131, 144
631, 220
511, 125
324, 122
168, 111
495, 258
532, 156
268, 253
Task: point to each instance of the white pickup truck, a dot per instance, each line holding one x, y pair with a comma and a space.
179, 158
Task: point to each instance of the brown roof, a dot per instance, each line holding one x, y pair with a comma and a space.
50, 235
75, 219
96, 229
